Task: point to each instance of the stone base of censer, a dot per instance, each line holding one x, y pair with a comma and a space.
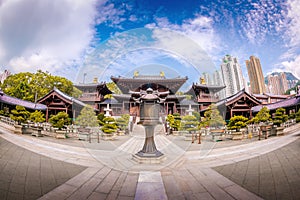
146, 158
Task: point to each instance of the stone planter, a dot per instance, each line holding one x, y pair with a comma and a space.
60, 134
84, 134
279, 130
27, 129
237, 135
18, 129
108, 136
217, 134
37, 132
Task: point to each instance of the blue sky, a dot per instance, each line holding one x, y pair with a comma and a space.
105, 37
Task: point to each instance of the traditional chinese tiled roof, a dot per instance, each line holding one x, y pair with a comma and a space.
280, 104
101, 87
15, 101
64, 96
196, 88
134, 84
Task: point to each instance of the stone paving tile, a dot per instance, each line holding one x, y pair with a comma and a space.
275, 175
27, 175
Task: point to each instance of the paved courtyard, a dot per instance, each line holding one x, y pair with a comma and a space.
47, 168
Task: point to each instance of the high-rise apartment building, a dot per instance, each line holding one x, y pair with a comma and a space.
255, 74
232, 75
277, 84
218, 81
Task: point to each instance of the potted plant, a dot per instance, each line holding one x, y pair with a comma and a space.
264, 118
190, 124
236, 123
122, 123
19, 115
174, 121
278, 119
37, 117
214, 120
59, 121
87, 118
109, 128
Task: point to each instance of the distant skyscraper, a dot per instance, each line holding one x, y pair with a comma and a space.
232, 75
4, 75
277, 84
218, 80
255, 74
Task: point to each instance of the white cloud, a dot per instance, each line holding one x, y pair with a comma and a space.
293, 66
294, 25
45, 33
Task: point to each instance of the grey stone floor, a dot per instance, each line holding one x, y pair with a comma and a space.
33, 167
275, 175
27, 175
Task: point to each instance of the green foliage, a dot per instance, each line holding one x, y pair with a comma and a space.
123, 121
212, 117
76, 93
263, 115
189, 123
298, 116
37, 116
280, 117
197, 115
292, 116
100, 118
174, 121
252, 121
113, 87
20, 114
5, 112
32, 86
237, 122
109, 126
60, 120
87, 117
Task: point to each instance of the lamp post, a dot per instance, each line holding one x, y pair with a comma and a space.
149, 117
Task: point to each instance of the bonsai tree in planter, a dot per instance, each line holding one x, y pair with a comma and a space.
19, 115
100, 119
109, 126
37, 117
189, 123
263, 115
279, 117
212, 117
122, 122
237, 122
60, 120
87, 118
174, 121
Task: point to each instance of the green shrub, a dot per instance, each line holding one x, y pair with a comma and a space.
87, 117
60, 120
237, 122
189, 123
109, 126
280, 117
123, 121
37, 117
20, 114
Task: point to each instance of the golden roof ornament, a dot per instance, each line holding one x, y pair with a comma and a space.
135, 73
162, 73
202, 81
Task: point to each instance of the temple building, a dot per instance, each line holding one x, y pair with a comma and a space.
125, 103
93, 93
204, 94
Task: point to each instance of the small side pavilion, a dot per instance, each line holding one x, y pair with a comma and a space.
57, 101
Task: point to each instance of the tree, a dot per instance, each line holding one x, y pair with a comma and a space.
114, 88
100, 119
20, 114
37, 116
237, 122
212, 117
123, 121
189, 123
87, 117
32, 86
174, 121
298, 116
280, 116
109, 126
263, 115
60, 120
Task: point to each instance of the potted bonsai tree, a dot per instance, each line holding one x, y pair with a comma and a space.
122, 123
87, 118
59, 121
109, 128
20, 116
264, 117
278, 119
236, 123
37, 117
174, 121
214, 121
190, 124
